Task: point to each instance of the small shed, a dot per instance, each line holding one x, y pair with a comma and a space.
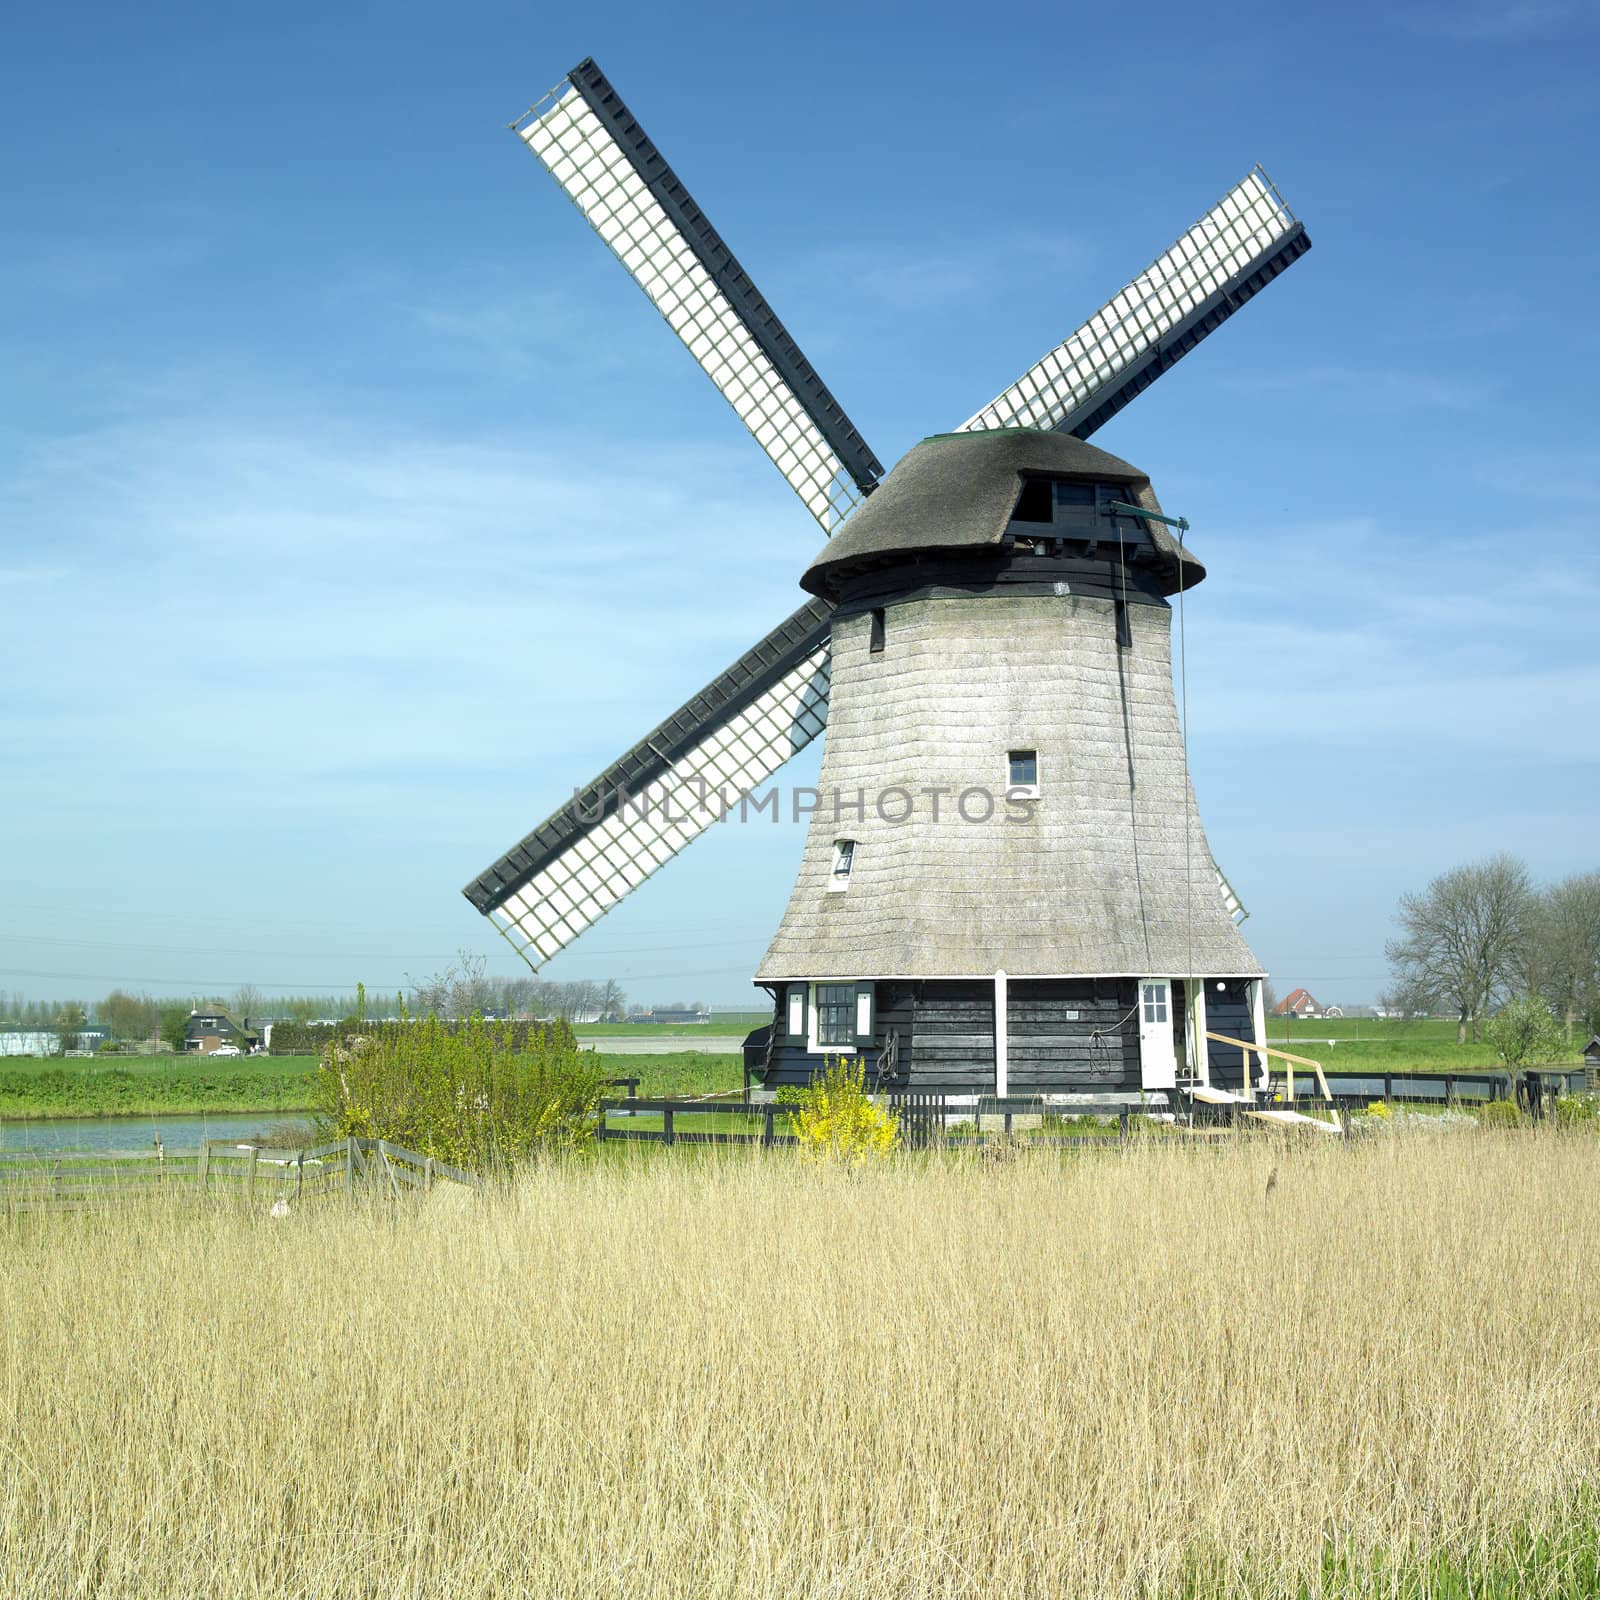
1591, 1063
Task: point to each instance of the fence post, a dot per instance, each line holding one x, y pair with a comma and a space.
427, 1175
1388, 1087
1122, 1123
1449, 1090
350, 1168
666, 1126
766, 1127
203, 1164
250, 1173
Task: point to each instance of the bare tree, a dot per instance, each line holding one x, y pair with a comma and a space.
1463, 940
460, 990
248, 1001
1566, 936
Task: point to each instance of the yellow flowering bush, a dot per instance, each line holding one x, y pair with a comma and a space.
838, 1121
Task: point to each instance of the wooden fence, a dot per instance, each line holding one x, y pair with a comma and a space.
250, 1172
926, 1120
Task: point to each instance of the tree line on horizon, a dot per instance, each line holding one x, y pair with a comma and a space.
462, 989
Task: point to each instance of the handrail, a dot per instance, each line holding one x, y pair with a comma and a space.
1283, 1055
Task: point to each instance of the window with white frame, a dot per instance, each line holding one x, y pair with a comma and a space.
1155, 1002
833, 1016
1022, 774
844, 860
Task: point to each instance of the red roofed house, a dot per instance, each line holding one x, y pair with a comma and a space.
1297, 1003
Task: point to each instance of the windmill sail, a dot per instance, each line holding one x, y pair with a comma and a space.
685, 775
595, 149
672, 785
1238, 247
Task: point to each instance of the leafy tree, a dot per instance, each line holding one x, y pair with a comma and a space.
128, 1016
69, 1022
172, 1021
1464, 941
1524, 1031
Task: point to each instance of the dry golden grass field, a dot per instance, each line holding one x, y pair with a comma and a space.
1128, 1373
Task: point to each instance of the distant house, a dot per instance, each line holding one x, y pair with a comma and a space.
18, 1039
206, 1031
678, 1014
1298, 1003
1591, 1053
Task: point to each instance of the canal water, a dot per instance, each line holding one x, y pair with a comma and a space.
178, 1134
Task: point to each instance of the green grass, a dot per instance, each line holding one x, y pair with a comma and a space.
687, 1072
153, 1085
723, 1024
1382, 1044
166, 1085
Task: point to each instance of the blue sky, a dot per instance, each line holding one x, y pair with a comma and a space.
354, 505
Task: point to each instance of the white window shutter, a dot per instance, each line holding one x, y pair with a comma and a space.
797, 1011
866, 1009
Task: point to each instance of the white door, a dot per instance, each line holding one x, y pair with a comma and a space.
1158, 1060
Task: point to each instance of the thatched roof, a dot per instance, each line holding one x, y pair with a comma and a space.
957, 491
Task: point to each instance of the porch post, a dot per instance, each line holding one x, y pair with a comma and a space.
1258, 1015
1000, 1072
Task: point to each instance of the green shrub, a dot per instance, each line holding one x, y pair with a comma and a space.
1578, 1111
1525, 1031
481, 1095
1501, 1114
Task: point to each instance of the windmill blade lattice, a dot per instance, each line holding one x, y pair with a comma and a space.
595, 149
1239, 246
686, 774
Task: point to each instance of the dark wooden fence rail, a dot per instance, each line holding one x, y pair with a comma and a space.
773, 1119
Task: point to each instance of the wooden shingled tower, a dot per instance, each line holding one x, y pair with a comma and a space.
1006, 887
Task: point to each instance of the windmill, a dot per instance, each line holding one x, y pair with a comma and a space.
988, 624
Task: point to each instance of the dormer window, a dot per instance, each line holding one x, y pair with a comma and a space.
1033, 505
1058, 509
844, 858
1022, 775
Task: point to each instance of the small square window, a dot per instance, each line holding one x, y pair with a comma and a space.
836, 1014
844, 860
1022, 774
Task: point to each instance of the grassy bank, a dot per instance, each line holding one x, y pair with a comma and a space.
170, 1085
1125, 1375
722, 1024
1382, 1044
153, 1085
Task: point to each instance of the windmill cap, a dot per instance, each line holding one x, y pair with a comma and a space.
956, 492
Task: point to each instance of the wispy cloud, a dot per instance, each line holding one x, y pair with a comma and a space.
1372, 388
1494, 20
923, 274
